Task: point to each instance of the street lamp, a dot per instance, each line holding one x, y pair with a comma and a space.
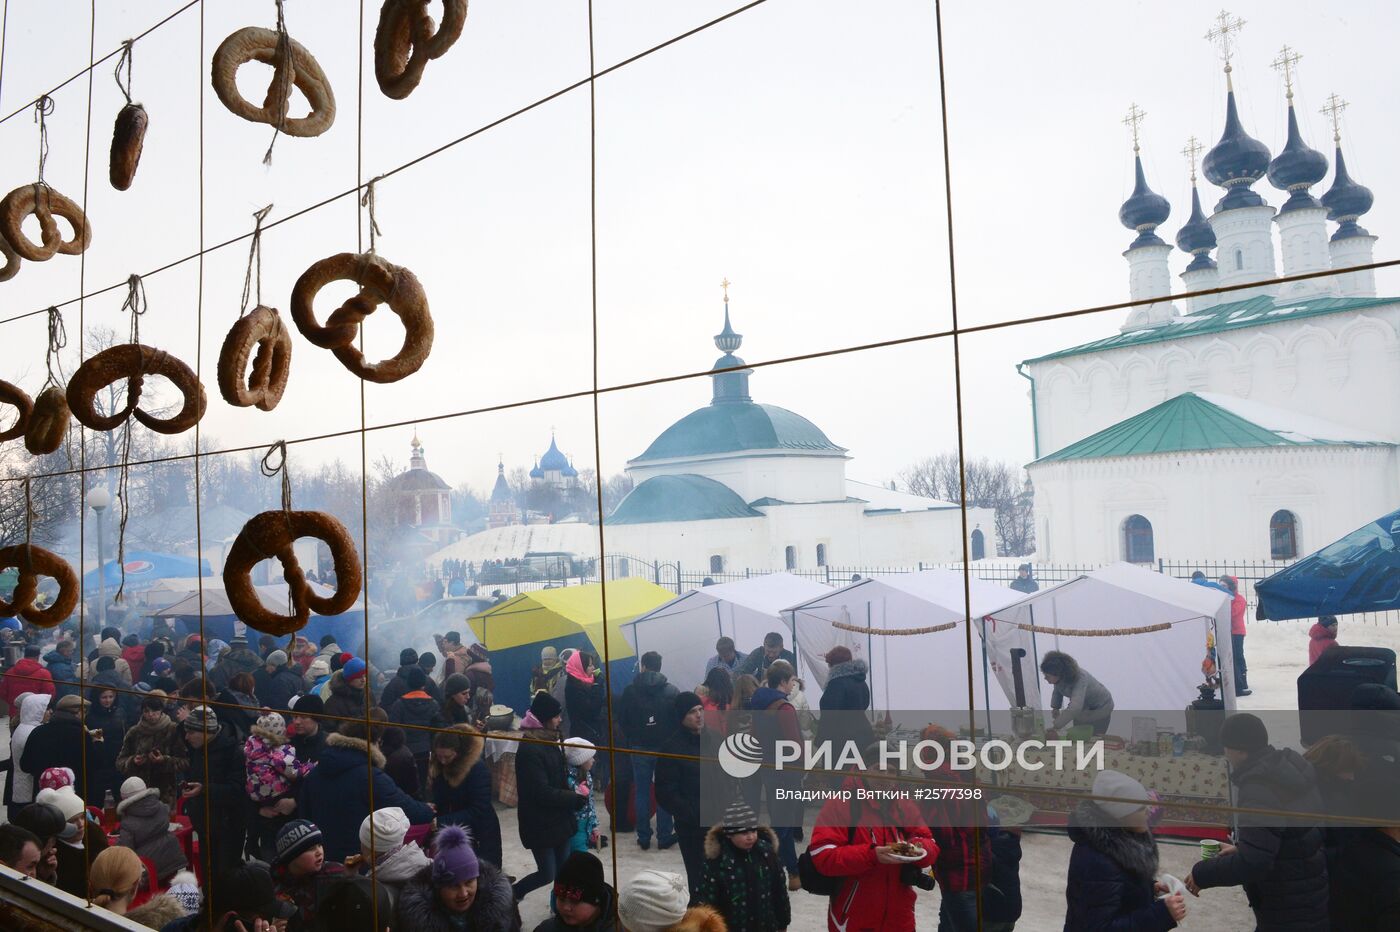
98, 500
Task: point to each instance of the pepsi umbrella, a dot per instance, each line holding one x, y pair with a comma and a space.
144, 568
1359, 573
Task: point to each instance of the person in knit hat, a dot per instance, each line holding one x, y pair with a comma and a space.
655, 902
581, 755
678, 781
77, 845
1279, 860
583, 899
273, 776
145, 828
276, 682
213, 790
742, 877
384, 854
300, 869
308, 735
547, 803
457, 892
346, 689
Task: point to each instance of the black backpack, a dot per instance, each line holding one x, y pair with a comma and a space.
813, 880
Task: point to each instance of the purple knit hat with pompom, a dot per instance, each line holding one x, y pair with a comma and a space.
454, 861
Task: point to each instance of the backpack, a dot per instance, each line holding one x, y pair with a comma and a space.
655, 717
813, 880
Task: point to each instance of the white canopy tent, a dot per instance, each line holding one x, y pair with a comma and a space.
1147, 671
907, 670
685, 629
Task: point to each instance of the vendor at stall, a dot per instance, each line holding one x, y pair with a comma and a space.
1090, 702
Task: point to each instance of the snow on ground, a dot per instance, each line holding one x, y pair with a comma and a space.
1277, 652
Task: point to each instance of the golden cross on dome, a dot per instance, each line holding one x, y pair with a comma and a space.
1220, 35
1333, 108
1134, 121
1193, 149
1287, 61
725, 285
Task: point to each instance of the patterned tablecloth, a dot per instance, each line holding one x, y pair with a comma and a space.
1192, 776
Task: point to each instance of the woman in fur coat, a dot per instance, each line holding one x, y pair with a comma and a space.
460, 783
457, 892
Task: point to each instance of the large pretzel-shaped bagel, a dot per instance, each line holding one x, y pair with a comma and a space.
264, 387
254, 43
48, 425
381, 282
33, 562
128, 136
133, 362
405, 42
24, 409
45, 203
271, 534
12, 260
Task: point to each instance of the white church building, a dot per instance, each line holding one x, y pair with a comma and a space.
1254, 424
739, 485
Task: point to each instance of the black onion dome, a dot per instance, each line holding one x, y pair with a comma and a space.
1346, 200
1297, 168
1196, 236
1236, 162
1144, 210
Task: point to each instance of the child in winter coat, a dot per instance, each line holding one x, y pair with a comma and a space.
145, 828
580, 754
1322, 637
742, 876
273, 773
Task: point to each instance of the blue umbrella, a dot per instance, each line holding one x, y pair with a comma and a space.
1359, 573
143, 569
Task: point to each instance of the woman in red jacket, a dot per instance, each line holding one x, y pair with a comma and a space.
1238, 608
872, 896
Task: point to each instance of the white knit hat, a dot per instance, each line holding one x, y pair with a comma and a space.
134, 789
1128, 795
64, 799
579, 751
390, 827
653, 901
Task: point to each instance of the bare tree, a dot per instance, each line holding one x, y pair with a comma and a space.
1000, 486
615, 489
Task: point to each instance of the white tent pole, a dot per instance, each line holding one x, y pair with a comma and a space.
885, 623
986, 688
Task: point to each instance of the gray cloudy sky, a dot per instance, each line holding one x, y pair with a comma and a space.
796, 149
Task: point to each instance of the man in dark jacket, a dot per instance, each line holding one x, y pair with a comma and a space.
396, 687
60, 664
646, 715
213, 792
336, 794
678, 784
276, 682
1024, 581
62, 742
774, 720
1277, 858
756, 663
417, 708
309, 736
548, 807
237, 659
1365, 893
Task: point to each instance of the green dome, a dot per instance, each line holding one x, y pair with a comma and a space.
680, 498
731, 428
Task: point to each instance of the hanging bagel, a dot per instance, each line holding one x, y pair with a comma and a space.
271, 534
24, 409
299, 69
263, 388
44, 203
32, 563
406, 41
133, 362
128, 136
12, 260
48, 425
381, 282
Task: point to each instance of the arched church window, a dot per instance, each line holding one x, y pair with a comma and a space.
979, 545
1283, 535
790, 558
1239, 258
1137, 540
821, 554
716, 563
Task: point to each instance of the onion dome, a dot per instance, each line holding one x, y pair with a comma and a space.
1236, 162
1144, 210
1197, 237
1297, 168
1346, 201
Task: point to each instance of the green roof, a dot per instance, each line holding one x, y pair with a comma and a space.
685, 497
1190, 422
729, 427
1236, 315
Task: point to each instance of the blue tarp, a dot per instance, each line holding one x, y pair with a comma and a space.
144, 568
1359, 573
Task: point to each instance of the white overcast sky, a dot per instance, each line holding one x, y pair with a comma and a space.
796, 149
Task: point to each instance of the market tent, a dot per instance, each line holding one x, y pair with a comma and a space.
685, 629
1359, 573
348, 627
883, 621
571, 616
1099, 619
143, 570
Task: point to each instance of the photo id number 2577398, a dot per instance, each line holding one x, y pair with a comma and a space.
927, 793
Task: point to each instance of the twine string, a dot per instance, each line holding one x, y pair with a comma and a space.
58, 340
252, 285
124, 59
368, 202
136, 303
271, 469
283, 54
43, 109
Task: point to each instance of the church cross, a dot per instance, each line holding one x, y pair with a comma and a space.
1334, 107
1220, 34
1193, 149
1287, 61
725, 285
1134, 121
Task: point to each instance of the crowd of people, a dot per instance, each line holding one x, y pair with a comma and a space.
315, 791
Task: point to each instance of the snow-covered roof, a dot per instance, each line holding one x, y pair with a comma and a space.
1293, 425
882, 498
515, 541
